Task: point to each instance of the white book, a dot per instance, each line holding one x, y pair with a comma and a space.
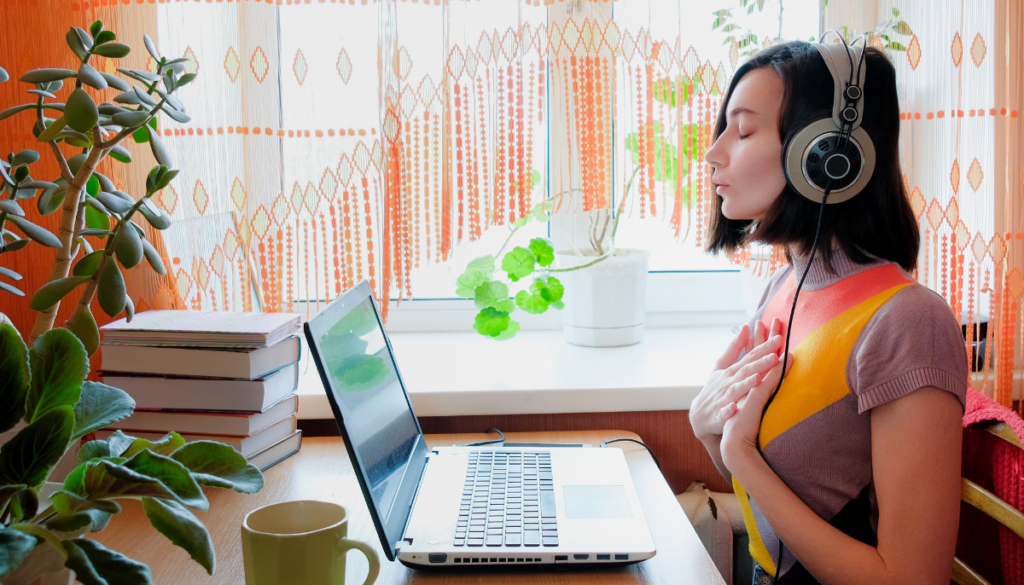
185, 393
277, 452
209, 423
202, 329
200, 362
247, 446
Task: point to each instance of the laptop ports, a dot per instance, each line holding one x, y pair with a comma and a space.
581, 557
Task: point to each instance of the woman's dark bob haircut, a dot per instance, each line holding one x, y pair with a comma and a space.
876, 223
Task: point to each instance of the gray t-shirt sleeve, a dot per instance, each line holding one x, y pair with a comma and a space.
913, 341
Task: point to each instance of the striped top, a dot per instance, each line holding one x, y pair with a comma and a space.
862, 337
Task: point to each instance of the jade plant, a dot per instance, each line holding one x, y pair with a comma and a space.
89, 202
44, 389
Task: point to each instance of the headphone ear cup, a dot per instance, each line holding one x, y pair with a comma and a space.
810, 159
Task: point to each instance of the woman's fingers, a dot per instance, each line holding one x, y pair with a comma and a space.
757, 367
770, 346
732, 353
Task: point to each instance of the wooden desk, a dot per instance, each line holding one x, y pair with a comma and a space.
321, 471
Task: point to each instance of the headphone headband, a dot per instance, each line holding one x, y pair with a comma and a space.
838, 57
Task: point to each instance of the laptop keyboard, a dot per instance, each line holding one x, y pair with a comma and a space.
508, 499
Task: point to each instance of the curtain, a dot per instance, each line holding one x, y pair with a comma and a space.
333, 141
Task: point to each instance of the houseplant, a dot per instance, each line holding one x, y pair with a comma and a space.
44, 389
610, 282
90, 203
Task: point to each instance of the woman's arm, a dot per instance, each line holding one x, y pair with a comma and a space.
916, 466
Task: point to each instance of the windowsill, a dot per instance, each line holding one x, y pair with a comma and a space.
461, 374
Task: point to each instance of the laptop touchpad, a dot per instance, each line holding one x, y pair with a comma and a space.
596, 501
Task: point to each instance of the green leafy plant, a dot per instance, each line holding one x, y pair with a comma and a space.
44, 389
90, 203
885, 33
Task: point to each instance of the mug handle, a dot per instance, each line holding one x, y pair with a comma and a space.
371, 557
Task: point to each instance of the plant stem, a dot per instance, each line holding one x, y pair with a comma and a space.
582, 266
45, 515
44, 534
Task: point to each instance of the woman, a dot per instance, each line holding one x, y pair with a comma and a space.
856, 463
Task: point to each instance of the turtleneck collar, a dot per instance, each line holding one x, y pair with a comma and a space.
819, 276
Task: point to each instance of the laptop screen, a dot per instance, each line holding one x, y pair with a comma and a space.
380, 428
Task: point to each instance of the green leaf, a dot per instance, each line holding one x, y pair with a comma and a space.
186, 79
128, 248
10, 206
518, 263
95, 28
120, 442
513, 328
115, 82
14, 377
11, 289
552, 290
156, 217
59, 364
25, 157
38, 234
113, 203
53, 130
8, 492
65, 502
895, 46
14, 547
142, 134
92, 450
105, 37
111, 291
153, 257
86, 330
490, 294
29, 457
95, 219
130, 119
75, 163
47, 75
531, 303
52, 199
491, 322
543, 251
120, 153
92, 186
100, 406
9, 274
4, 76
183, 529
91, 77
903, 28
96, 520
160, 152
177, 115
16, 245
466, 283
81, 111
87, 265
484, 264
145, 474
150, 47
170, 443
52, 292
112, 50
95, 564
165, 179
16, 109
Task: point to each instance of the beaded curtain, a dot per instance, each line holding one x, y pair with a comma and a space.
333, 141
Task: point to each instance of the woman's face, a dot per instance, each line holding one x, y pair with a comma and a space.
747, 156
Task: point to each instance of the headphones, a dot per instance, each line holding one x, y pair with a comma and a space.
828, 161
834, 150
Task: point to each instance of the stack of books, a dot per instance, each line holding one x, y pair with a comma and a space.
221, 376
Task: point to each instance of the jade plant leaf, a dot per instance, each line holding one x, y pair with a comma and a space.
52, 292
29, 457
87, 265
14, 377
182, 528
81, 112
153, 257
100, 406
518, 263
489, 294
111, 291
95, 564
59, 363
39, 234
86, 330
14, 547
129, 244
218, 465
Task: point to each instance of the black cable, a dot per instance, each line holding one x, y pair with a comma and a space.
641, 443
491, 442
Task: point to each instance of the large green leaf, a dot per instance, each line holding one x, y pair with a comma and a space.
491, 322
543, 251
9, 491
92, 450
518, 263
100, 406
14, 377
552, 290
466, 283
29, 457
65, 502
490, 294
129, 245
81, 112
47, 75
14, 547
87, 265
52, 199
218, 465
39, 234
170, 443
52, 292
183, 529
513, 328
145, 474
96, 520
111, 292
531, 303
95, 564
119, 442
95, 219
59, 364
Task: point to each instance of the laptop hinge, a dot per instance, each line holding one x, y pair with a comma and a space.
412, 504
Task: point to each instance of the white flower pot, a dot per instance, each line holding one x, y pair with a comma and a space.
604, 303
45, 564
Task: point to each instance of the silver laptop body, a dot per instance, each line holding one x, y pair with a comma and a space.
456, 506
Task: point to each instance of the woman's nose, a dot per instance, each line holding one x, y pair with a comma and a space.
714, 156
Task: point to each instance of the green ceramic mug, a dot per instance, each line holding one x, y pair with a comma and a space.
300, 543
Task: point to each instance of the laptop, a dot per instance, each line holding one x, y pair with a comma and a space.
458, 506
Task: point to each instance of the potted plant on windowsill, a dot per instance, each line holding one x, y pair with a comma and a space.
602, 288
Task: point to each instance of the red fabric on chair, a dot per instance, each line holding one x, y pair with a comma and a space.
996, 465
